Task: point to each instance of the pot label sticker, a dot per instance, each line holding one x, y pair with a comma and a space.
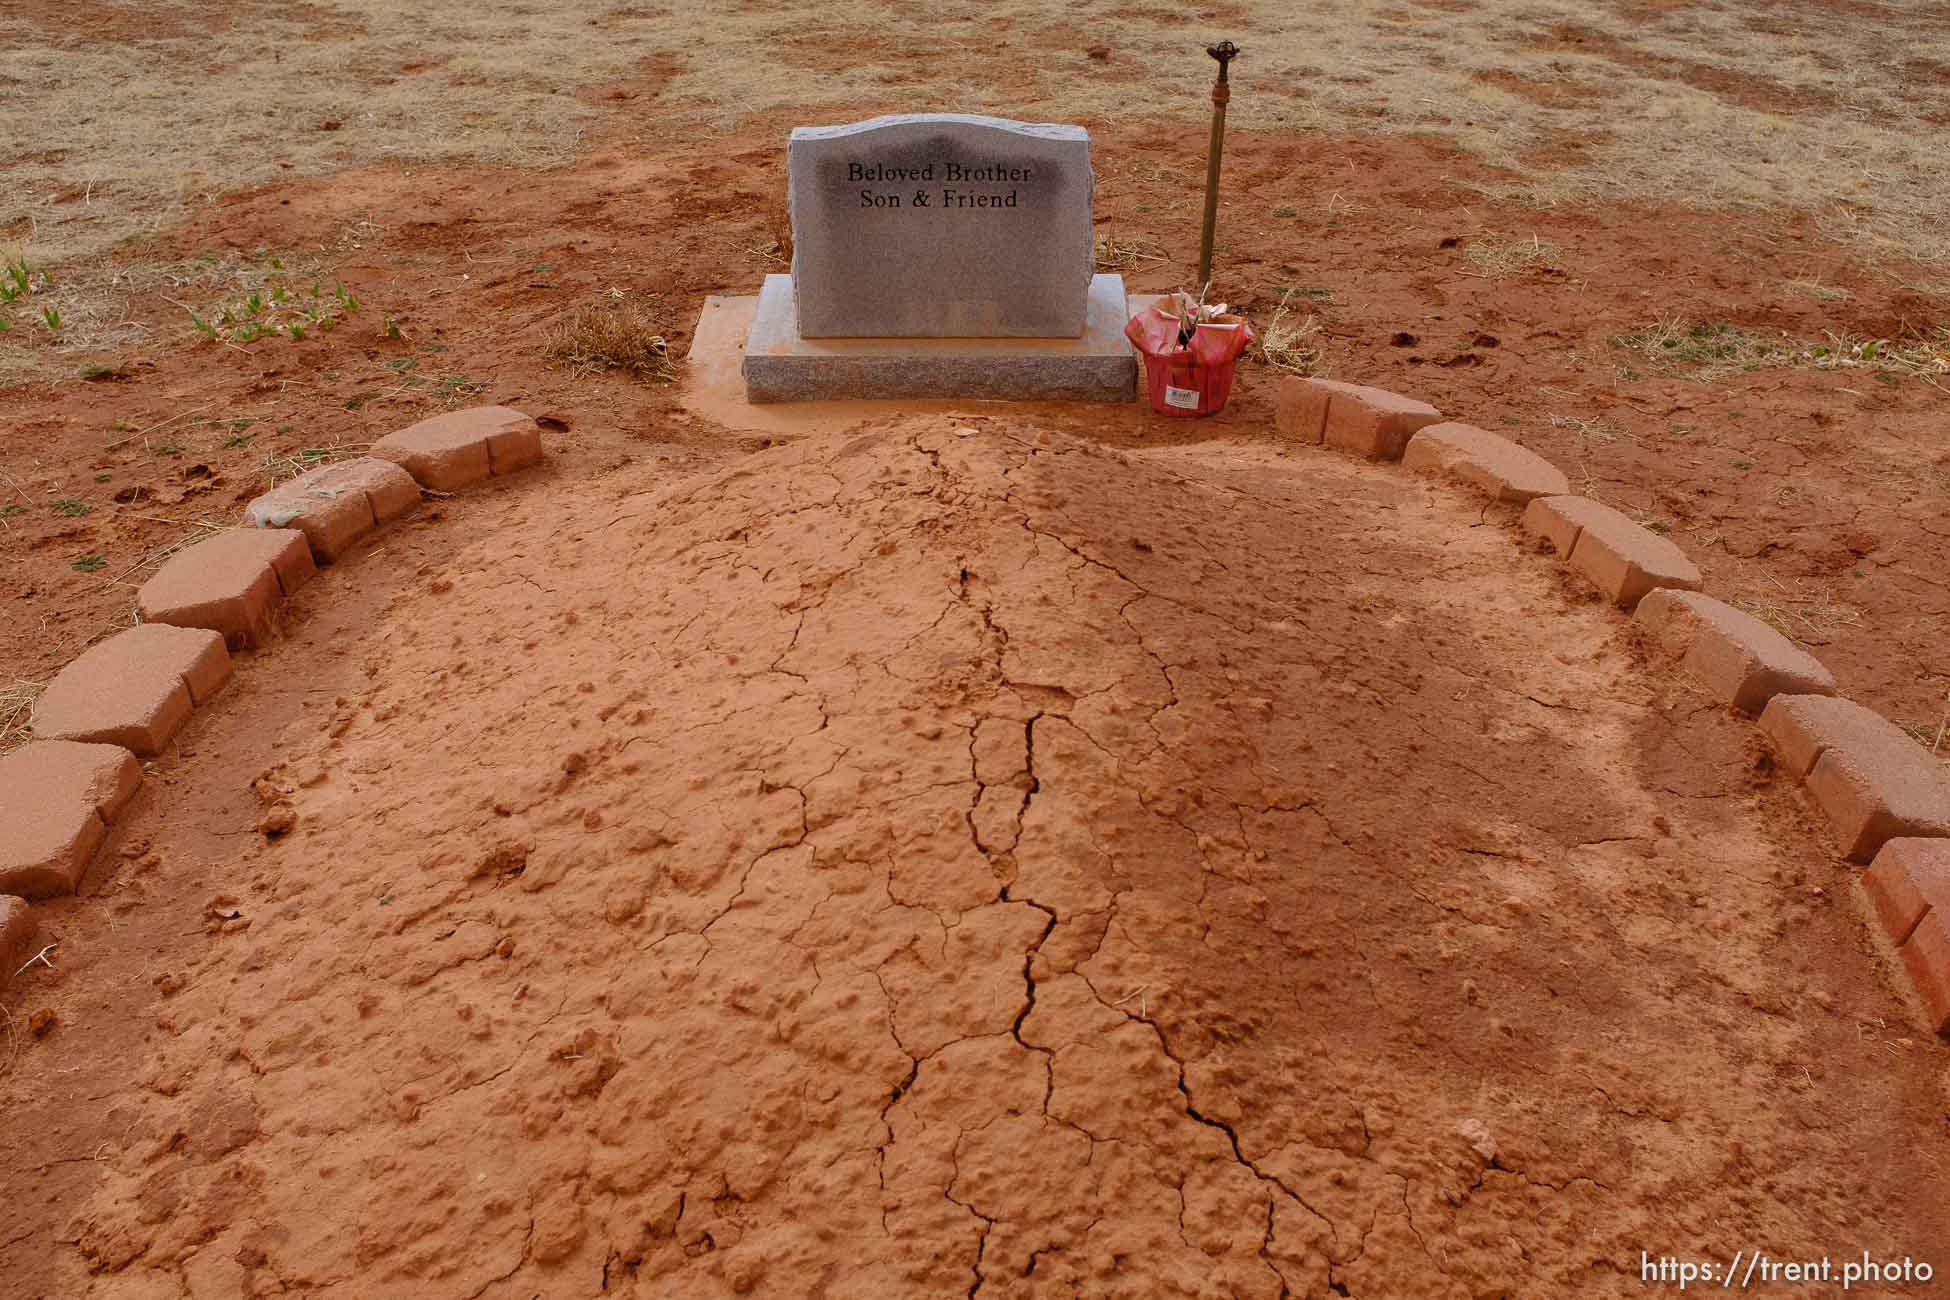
1185, 399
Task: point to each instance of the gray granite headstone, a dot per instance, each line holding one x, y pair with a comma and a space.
941, 225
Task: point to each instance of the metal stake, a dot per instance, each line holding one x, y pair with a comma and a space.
1225, 52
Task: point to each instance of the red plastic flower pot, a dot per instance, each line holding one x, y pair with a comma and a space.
1195, 379
1179, 385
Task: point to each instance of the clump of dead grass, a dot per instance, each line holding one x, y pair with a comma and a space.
16, 711
1711, 349
1592, 429
613, 336
1804, 612
1291, 345
1500, 257
1933, 735
778, 248
1114, 254
280, 465
1815, 289
1930, 736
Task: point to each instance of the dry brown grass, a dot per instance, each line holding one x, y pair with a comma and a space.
1933, 736
1805, 612
496, 82
125, 139
1595, 430
91, 292
777, 250
613, 336
1814, 289
1501, 257
1291, 345
284, 464
1801, 103
1708, 350
16, 711
1114, 254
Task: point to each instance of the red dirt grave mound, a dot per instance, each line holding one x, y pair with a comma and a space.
957, 860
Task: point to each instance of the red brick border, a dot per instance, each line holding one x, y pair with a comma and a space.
461, 447
1738, 658
230, 583
1879, 790
1370, 422
57, 798
1503, 469
133, 691
1621, 559
18, 929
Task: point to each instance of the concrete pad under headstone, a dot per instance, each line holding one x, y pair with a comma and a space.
713, 386
783, 366
941, 225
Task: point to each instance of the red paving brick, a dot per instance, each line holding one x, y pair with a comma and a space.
1927, 958
1873, 782
1371, 422
450, 451
1802, 726
1625, 562
1621, 559
1300, 412
230, 583
1908, 878
1876, 789
1739, 659
1503, 469
332, 517
134, 689
56, 800
515, 445
391, 491
18, 929
1557, 520
336, 505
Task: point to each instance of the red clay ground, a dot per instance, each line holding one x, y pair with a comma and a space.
1322, 899
959, 859
1814, 496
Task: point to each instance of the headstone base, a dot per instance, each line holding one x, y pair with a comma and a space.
782, 366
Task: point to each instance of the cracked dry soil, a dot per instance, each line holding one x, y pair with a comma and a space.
959, 860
